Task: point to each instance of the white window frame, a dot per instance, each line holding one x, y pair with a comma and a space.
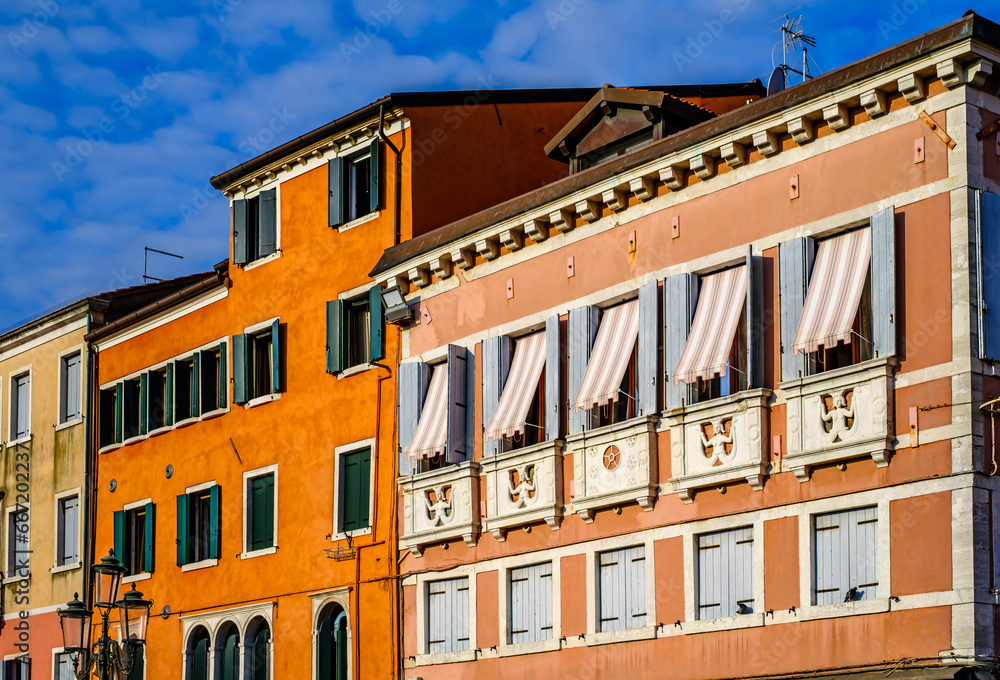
213, 561
56, 651
506, 648
82, 351
341, 596
253, 193
422, 657
247, 476
338, 497
274, 395
78, 493
8, 578
12, 412
128, 507
215, 620
691, 533
595, 636
350, 296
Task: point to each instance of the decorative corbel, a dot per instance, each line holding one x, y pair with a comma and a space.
837, 116
672, 177
766, 143
488, 248
874, 102
978, 71
615, 199
950, 72
703, 166
561, 220
536, 229
734, 154
801, 130
644, 188
420, 276
588, 209
441, 266
512, 239
912, 88
463, 257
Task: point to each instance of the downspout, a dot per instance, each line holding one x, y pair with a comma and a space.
398, 179
90, 470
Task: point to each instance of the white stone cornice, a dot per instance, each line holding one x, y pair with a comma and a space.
837, 116
766, 143
644, 188
734, 154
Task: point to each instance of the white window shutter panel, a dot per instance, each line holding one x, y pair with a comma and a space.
883, 281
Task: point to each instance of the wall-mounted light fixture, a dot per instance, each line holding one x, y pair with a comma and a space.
396, 310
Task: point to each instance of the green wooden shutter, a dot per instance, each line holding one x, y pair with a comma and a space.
275, 357
375, 188
357, 492
260, 664
334, 355
241, 244
213, 534
340, 645
223, 389
364, 488
324, 649
376, 319
182, 530
267, 232
262, 512
336, 167
150, 536
119, 411
168, 408
240, 363
143, 402
231, 658
199, 665
196, 385
120, 534
138, 672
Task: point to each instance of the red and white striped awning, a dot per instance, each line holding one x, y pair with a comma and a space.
610, 356
720, 304
432, 429
835, 288
522, 381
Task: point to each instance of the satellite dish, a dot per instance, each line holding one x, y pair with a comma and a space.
776, 82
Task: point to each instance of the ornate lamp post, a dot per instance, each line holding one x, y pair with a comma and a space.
107, 658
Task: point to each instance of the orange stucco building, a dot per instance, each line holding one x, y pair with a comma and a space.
716, 404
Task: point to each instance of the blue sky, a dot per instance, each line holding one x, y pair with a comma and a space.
114, 114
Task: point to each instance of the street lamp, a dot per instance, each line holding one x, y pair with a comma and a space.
107, 657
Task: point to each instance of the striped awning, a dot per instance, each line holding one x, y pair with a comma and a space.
522, 381
610, 356
432, 429
835, 288
720, 304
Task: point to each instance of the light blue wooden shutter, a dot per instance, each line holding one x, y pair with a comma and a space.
622, 584
846, 555
530, 607
334, 356
553, 358
268, 233
413, 383
148, 548
990, 274
795, 261
375, 178
448, 615
143, 402
276, 357
883, 274
649, 344
376, 321
755, 319
725, 572
583, 323
241, 241
336, 179
496, 366
459, 408
680, 293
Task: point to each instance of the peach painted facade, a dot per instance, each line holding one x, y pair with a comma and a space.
585, 551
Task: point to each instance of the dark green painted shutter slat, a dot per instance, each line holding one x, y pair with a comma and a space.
240, 369
196, 384
336, 167
275, 357
150, 536
352, 481
223, 395
241, 244
340, 645
376, 319
120, 534
269, 502
143, 402
168, 408
138, 672
231, 658
199, 666
375, 188
182, 530
334, 356
324, 649
262, 512
213, 534
260, 663
119, 401
364, 487
268, 233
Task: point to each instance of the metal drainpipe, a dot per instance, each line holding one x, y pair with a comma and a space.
398, 179
90, 470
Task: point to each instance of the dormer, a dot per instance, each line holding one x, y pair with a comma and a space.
617, 120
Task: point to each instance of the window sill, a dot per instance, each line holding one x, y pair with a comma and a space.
186, 422
626, 635
354, 370
69, 423
259, 553
18, 442
214, 414
838, 609
342, 536
144, 576
257, 401
15, 579
550, 645
163, 429
108, 448
262, 260
204, 564
445, 657
734, 622
134, 440
65, 567
358, 222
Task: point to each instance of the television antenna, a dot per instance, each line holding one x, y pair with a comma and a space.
146, 278
793, 40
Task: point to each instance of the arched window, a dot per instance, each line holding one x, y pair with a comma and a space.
227, 654
331, 644
259, 645
197, 653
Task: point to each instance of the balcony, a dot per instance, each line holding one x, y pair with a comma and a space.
719, 441
840, 414
614, 465
524, 486
441, 505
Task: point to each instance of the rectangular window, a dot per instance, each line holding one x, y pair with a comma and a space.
198, 525
131, 408
356, 327
860, 347
355, 490
64, 669
135, 537
530, 603
156, 399
213, 379
845, 561
69, 384
256, 365
725, 573
68, 531
255, 228
17, 669
261, 365
622, 589
185, 403
17, 544
260, 512
448, 615
20, 406
358, 186
108, 417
